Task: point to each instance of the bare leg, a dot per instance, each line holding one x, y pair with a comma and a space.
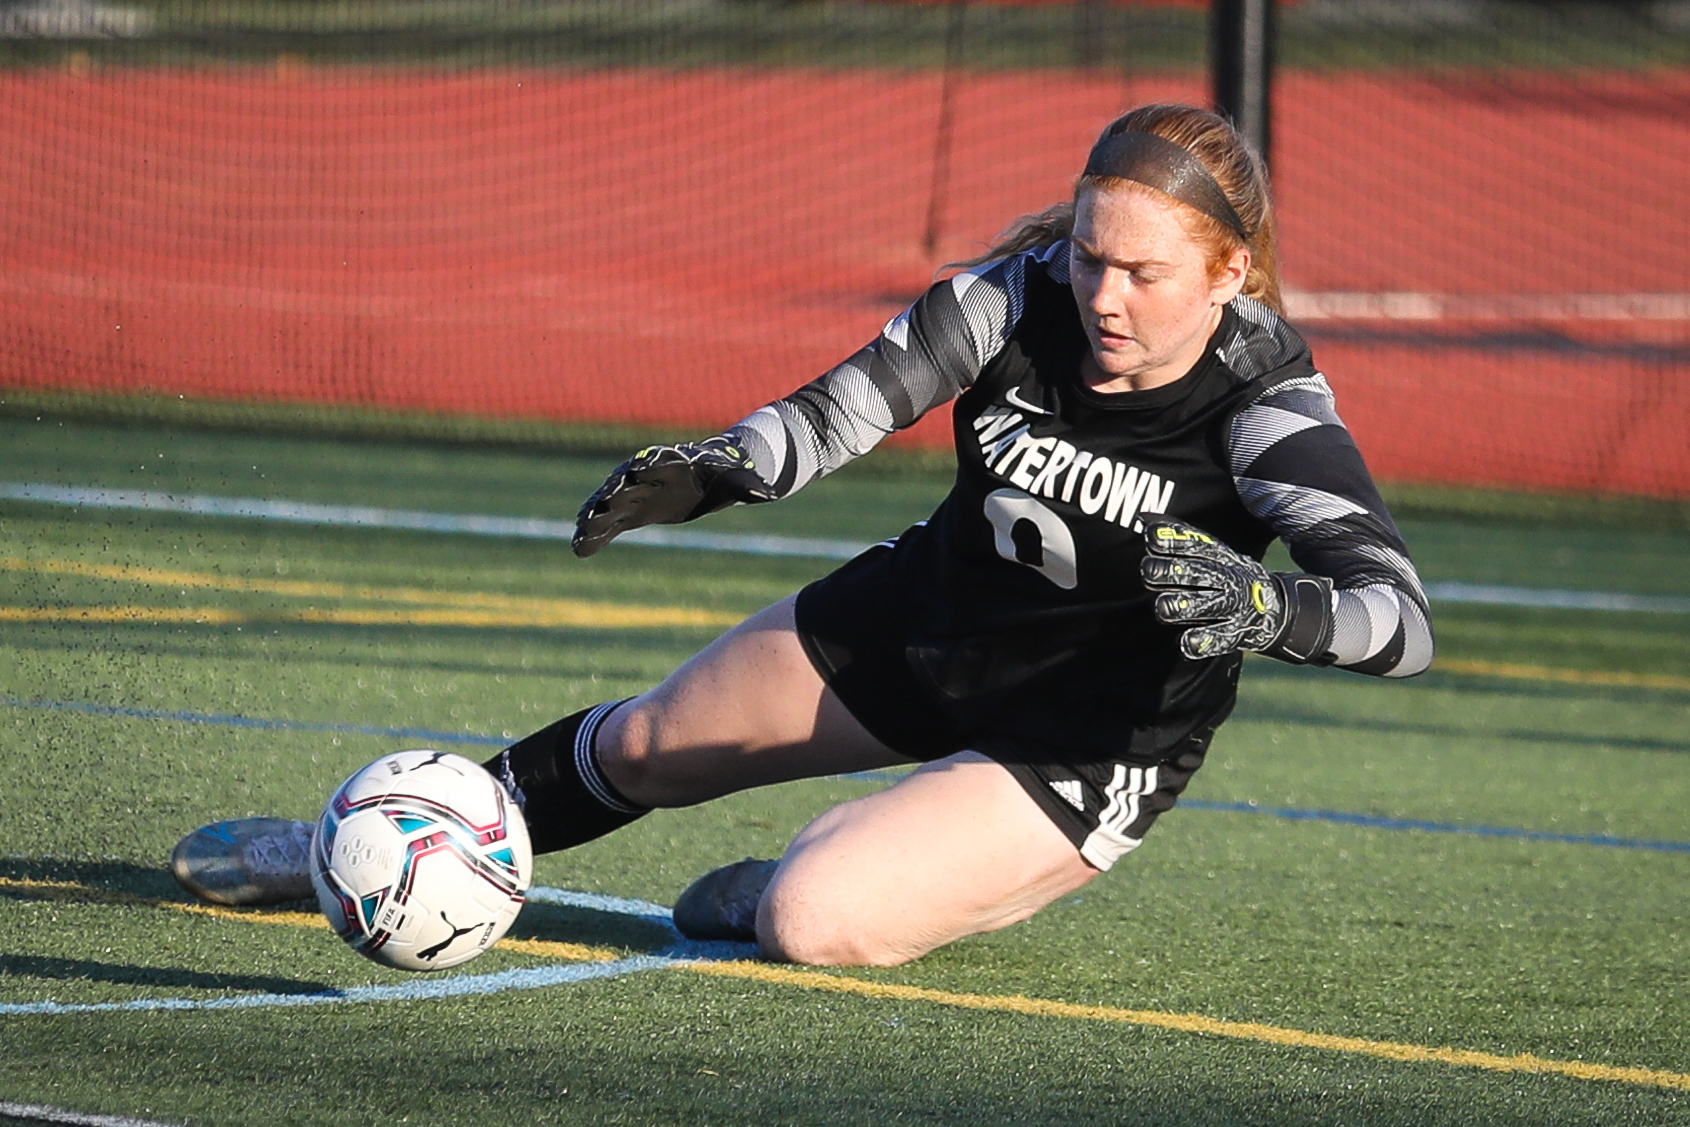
749, 709
955, 849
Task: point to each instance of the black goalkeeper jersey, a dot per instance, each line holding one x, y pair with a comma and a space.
1018, 605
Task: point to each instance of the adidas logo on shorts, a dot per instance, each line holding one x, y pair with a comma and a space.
1070, 791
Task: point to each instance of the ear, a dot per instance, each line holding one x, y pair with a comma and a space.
1228, 281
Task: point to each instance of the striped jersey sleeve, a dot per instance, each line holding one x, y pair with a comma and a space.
925, 356
1298, 471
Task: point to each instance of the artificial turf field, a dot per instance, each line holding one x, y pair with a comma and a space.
1245, 967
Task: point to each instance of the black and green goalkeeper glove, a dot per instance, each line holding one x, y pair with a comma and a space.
1230, 601
668, 485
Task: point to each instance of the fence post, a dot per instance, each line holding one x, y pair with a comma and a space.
1242, 34
938, 189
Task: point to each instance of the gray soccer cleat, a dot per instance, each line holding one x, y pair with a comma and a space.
246, 862
722, 904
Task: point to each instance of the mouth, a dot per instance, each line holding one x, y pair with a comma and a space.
1109, 339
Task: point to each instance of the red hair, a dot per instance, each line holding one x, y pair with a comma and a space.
1239, 172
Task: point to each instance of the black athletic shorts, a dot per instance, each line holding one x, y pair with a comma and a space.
1104, 807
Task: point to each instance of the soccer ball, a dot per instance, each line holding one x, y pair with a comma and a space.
421, 860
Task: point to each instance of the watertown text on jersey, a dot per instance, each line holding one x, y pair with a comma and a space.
1057, 469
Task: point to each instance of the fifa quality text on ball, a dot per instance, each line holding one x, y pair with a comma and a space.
421, 860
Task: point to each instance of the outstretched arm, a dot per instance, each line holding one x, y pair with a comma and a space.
927, 355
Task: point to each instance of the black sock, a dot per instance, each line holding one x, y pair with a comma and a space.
555, 777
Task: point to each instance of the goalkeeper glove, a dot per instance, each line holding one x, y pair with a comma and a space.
1234, 602
668, 485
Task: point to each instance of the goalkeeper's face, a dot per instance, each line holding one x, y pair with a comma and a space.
1148, 295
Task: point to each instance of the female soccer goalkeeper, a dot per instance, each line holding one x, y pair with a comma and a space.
1134, 423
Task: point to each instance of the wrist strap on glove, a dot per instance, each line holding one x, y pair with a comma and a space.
1306, 635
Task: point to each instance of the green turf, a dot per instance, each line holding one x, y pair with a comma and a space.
1570, 952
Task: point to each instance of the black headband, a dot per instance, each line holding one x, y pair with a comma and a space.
1159, 163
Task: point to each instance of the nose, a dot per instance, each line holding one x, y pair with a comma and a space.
1110, 295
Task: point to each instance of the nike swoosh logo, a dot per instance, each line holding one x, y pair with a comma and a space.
1015, 400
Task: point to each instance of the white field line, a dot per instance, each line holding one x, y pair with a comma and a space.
1490, 595
1339, 305
432, 988
413, 520
534, 528
36, 1113
731, 960
417, 990
599, 902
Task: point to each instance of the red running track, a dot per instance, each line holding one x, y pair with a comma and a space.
678, 247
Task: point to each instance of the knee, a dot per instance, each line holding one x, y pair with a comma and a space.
815, 933
628, 753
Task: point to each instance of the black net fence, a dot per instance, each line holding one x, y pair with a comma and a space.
666, 213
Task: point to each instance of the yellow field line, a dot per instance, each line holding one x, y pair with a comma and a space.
565, 612
529, 611
122, 614
1194, 1023
1010, 1003
1567, 676
71, 890
553, 949
582, 614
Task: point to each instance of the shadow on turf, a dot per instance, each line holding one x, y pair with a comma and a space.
118, 881
118, 878
555, 922
1477, 684
121, 877
563, 924
1261, 712
156, 639
1252, 706
87, 970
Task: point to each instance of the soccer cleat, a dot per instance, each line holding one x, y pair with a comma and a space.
246, 862
722, 904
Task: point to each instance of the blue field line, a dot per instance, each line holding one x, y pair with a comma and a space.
1375, 822
586, 900
535, 528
